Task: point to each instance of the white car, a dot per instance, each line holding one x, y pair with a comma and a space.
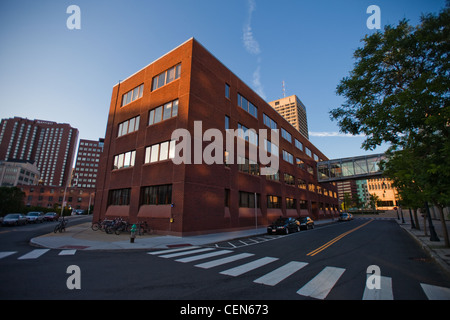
35, 217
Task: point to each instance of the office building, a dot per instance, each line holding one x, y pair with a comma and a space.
86, 163
188, 92
294, 111
50, 145
19, 172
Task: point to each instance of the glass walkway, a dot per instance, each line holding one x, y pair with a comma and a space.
350, 168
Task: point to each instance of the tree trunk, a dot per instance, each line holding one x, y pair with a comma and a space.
416, 219
444, 226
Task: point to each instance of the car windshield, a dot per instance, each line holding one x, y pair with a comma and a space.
281, 221
303, 219
32, 214
50, 214
12, 216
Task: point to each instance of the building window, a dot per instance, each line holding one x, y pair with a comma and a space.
271, 147
288, 157
247, 166
269, 122
247, 200
299, 145
119, 197
124, 160
160, 152
166, 77
273, 202
249, 135
286, 135
227, 122
227, 91
289, 179
167, 111
308, 152
129, 126
299, 162
132, 95
302, 184
291, 203
247, 106
156, 195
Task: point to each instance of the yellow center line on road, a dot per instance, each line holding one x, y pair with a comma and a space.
329, 243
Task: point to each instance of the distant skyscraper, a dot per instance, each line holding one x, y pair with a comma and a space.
294, 111
50, 145
86, 165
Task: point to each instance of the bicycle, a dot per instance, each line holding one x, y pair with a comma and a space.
61, 226
143, 227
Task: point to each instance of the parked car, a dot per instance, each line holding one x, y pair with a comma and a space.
14, 219
345, 216
35, 217
306, 223
283, 225
51, 216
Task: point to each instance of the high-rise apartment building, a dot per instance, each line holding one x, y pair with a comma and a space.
294, 111
141, 179
49, 145
87, 162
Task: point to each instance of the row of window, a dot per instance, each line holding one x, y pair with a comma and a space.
133, 95
247, 106
162, 195
151, 195
166, 77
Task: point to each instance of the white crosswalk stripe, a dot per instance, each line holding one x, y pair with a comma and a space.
203, 256
283, 272
172, 250
67, 252
321, 285
237, 271
6, 253
222, 261
34, 254
184, 253
383, 293
318, 287
436, 292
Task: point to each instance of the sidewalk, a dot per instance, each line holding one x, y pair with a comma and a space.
436, 249
81, 237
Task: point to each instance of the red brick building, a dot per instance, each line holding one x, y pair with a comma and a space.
49, 145
138, 180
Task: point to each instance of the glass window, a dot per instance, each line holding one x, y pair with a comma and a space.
175, 108
167, 110
170, 75
147, 154
135, 93
164, 150
227, 91
120, 161
178, 71
141, 90
119, 133
155, 153
131, 125
155, 83
127, 160
136, 125
158, 114
172, 149
227, 122
161, 79
129, 95
151, 117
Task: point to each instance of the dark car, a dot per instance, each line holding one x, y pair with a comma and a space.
14, 219
306, 223
51, 216
283, 225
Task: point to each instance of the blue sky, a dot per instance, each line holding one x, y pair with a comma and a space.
52, 73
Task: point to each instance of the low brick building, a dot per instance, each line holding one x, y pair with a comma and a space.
184, 89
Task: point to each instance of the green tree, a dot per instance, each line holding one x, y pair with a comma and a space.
11, 200
398, 93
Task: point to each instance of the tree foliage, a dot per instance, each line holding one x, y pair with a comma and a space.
398, 93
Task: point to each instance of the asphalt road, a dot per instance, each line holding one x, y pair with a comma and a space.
329, 262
